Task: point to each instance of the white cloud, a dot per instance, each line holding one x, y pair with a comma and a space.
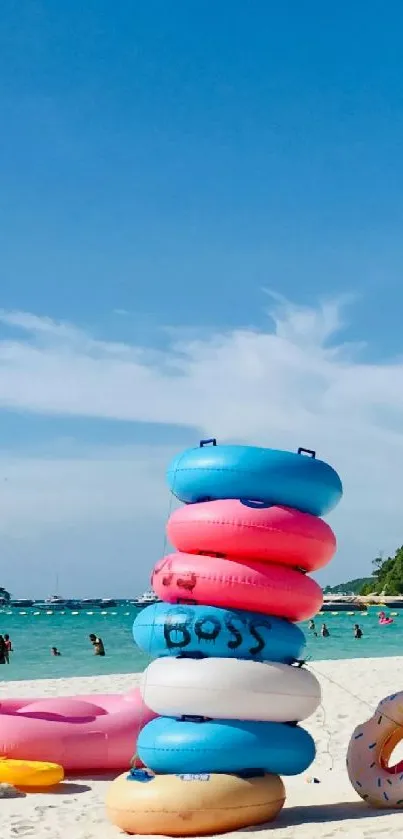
296, 384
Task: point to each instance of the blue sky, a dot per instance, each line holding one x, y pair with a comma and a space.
162, 166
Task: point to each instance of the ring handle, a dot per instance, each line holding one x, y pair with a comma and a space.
196, 655
255, 503
309, 452
211, 440
141, 775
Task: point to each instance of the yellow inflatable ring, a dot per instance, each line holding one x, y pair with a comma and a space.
192, 805
30, 773
369, 752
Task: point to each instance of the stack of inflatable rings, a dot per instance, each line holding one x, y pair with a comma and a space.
224, 636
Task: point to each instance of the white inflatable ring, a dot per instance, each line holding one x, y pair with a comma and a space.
229, 688
192, 805
369, 752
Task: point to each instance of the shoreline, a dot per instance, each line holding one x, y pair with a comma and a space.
126, 681
351, 689
70, 685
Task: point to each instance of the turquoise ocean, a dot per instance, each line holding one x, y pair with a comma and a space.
33, 634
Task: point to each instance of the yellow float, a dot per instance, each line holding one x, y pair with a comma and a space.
192, 805
30, 773
369, 753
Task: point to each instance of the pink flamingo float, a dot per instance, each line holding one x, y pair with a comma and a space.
384, 620
81, 733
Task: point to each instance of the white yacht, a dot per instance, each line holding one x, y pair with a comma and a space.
147, 598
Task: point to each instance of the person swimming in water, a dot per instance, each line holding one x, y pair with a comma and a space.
55, 651
324, 631
357, 631
98, 644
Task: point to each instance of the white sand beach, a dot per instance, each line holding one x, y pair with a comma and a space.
76, 808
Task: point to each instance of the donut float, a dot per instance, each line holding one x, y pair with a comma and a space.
26, 774
369, 753
257, 586
276, 477
165, 629
247, 530
228, 688
168, 745
198, 804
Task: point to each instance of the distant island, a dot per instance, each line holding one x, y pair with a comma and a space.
386, 579
350, 587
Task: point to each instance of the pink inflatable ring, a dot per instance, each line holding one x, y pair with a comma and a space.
256, 586
81, 733
249, 530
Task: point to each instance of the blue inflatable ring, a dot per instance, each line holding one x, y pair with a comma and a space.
173, 746
270, 476
165, 629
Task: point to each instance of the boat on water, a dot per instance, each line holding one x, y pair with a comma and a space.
393, 604
60, 604
20, 604
342, 606
146, 599
98, 602
56, 604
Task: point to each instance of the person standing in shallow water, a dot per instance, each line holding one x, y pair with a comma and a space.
98, 644
3, 651
8, 646
357, 631
324, 631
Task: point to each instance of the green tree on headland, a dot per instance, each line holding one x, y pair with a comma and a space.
350, 587
387, 576
5, 595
